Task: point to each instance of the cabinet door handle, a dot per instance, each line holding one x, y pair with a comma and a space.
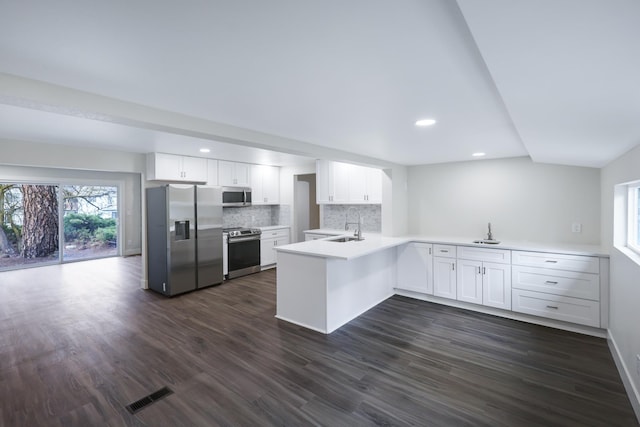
551, 261
484, 270
429, 251
444, 251
551, 282
453, 266
555, 307
478, 270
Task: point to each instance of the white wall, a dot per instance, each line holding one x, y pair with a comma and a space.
287, 190
22, 161
624, 292
395, 218
523, 200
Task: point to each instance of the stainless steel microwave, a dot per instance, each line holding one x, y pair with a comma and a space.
236, 196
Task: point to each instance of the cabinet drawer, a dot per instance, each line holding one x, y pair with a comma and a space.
572, 310
446, 251
563, 283
583, 264
280, 232
502, 256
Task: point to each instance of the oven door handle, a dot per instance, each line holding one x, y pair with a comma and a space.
242, 239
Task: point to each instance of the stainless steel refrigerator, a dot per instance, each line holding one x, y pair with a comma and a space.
184, 238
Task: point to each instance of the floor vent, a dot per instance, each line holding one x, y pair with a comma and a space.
140, 404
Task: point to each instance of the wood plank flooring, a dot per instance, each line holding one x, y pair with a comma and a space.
79, 342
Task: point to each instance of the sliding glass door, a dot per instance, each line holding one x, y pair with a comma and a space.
90, 221
33, 215
29, 225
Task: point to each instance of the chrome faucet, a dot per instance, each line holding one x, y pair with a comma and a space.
358, 232
489, 234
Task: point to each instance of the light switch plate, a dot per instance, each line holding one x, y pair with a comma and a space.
638, 364
576, 227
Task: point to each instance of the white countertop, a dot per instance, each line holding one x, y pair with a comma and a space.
375, 242
273, 227
327, 231
517, 245
348, 250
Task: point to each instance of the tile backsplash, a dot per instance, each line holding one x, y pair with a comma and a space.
256, 216
333, 216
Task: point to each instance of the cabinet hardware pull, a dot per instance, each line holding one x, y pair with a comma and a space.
444, 251
453, 266
478, 270
551, 282
551, 261
484, 270
429, 251
553, 306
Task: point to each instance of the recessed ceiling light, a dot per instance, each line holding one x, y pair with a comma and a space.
479, 154
425, 122
205, 150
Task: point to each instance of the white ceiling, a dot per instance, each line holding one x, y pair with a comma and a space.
553, 79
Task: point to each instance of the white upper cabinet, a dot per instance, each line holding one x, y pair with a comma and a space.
365, 184
373, 182
212, 172
265, 185
169, 167
343, 183
233, 174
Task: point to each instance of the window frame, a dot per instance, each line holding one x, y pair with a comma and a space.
633, 217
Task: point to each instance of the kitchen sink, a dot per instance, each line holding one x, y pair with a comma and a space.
344, 239
486, 242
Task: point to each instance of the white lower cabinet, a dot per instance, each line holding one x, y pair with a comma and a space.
557, 286
574, 310
569, 288
415, 267
444, 277
268, 241
484, 283
485, 278
496, 285
469, 281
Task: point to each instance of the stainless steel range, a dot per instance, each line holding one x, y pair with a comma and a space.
243, 251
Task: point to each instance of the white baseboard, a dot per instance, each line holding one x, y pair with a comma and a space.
625, 374
144, 284
507, 314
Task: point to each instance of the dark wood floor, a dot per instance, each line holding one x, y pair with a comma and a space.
79, 342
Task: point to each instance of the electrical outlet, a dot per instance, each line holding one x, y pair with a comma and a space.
576, 227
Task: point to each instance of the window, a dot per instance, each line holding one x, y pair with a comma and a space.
633, 226
90, 221
36, 220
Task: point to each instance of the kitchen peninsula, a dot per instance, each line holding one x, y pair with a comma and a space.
323, 284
